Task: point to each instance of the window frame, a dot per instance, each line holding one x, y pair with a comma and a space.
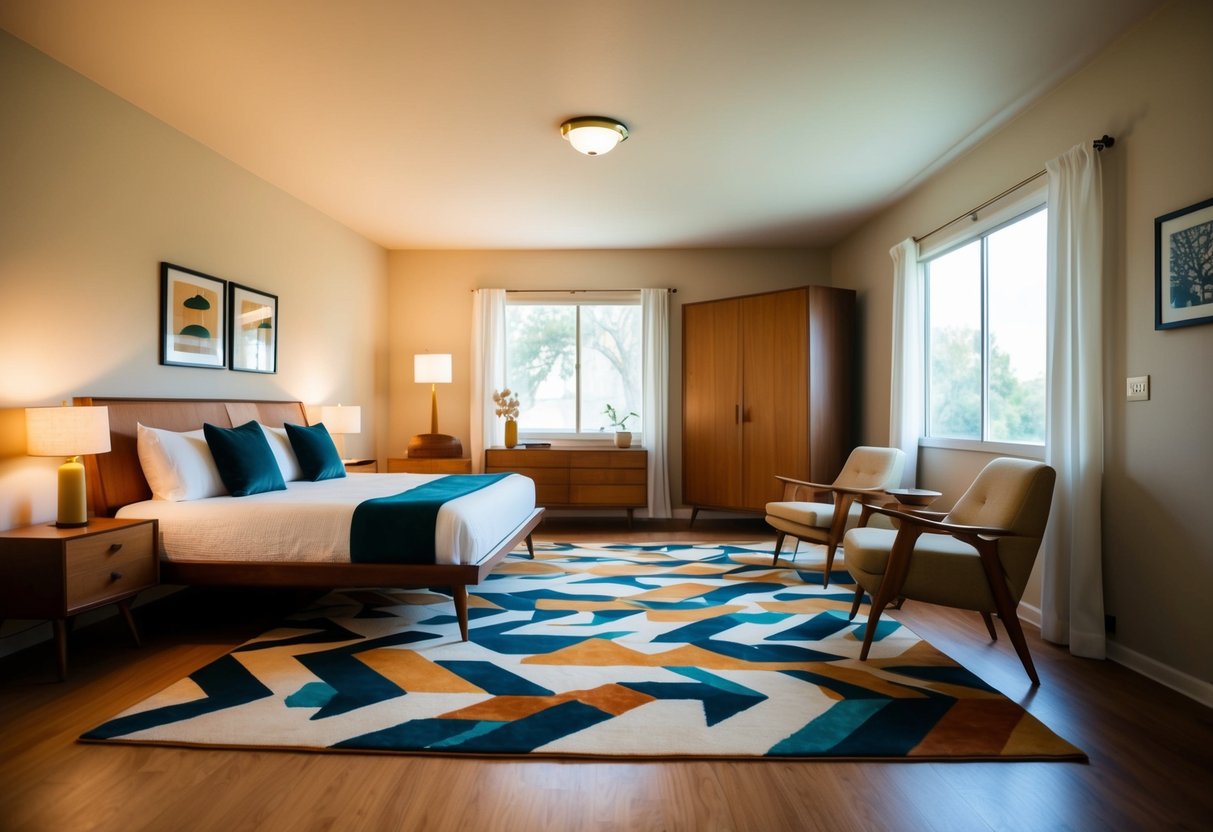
576, 298
1022, 206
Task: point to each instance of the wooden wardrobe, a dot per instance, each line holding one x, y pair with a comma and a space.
766, 389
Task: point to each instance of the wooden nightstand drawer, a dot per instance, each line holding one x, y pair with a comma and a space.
107, 566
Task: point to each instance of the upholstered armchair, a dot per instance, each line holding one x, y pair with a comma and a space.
865, 476
978, 557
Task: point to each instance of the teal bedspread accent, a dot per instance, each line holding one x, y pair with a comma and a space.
400, 528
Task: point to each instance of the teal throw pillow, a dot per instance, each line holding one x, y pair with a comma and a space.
245, 461
316, 452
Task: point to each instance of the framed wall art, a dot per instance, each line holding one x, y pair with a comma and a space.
253, 331
1183, 267
192, 324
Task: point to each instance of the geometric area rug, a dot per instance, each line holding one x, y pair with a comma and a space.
598, 651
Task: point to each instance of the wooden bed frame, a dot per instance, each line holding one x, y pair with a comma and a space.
116, 479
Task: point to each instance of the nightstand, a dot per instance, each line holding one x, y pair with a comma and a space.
423, 465
53, 573
361, 466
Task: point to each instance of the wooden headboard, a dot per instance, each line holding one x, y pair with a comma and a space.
116, 478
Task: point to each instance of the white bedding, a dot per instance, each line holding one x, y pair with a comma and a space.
310, 521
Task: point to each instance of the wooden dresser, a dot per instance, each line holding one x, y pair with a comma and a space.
575, 478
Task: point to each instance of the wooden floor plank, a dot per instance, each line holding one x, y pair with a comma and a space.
1151, 748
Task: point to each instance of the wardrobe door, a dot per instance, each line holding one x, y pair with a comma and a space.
774, 371
711, 391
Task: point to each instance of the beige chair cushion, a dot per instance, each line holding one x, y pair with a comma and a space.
811, 521
945, 571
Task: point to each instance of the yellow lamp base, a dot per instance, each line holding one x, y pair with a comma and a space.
73, 504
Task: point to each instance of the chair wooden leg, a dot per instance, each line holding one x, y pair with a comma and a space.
986, 617
778, 545
857, 602
896, 569
1006, 606
830, 549
530, 547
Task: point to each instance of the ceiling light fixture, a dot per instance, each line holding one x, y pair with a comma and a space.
593, 135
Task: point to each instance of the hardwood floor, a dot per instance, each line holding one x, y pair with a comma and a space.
1151, 749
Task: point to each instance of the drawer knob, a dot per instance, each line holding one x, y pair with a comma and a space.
115, 576
114, 547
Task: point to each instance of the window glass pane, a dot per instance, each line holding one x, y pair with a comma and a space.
610, 365
540, 365
954, 343
1016, 276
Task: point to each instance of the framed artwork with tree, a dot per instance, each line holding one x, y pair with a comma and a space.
1183, 267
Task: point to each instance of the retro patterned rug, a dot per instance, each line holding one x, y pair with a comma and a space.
636, 651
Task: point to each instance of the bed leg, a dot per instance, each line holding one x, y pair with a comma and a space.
530, 546
460, 594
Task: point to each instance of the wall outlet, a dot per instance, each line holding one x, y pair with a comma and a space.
1138, 389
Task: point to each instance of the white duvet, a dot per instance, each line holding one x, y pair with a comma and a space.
310, 521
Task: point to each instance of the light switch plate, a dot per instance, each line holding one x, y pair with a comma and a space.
1137, 389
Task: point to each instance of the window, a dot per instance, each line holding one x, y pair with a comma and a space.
568, 356
986, 319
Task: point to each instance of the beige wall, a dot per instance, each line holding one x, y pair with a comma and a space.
431, 311
1152, 92
95, 194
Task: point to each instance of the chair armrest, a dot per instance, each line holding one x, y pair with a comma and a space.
940, 526
841, 489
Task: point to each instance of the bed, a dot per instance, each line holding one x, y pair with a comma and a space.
313, 557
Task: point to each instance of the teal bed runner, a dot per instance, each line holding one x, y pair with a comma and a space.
400, 528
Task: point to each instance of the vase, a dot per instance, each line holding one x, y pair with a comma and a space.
623, 439
511, 433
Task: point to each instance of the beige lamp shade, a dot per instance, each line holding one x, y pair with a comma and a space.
432, 368
67, 431
341, 419
70, 432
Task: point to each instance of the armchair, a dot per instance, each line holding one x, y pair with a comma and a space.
978, 557
864, 477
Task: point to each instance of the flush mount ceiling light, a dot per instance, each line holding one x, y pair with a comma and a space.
593, 135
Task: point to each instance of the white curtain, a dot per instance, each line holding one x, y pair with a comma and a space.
1072, 585
906, 406
488, 371
655, 393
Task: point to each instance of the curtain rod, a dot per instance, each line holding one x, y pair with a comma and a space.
573, 291
1099, 144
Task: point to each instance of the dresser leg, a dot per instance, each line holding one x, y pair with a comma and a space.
60, 626
125, 608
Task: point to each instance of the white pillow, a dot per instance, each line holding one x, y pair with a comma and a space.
280, 444
178, 466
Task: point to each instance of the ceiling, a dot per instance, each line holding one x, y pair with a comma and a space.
436, 124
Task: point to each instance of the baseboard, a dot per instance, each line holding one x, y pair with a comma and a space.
1156, 671
1176, 680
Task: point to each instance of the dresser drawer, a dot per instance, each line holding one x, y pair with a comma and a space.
108, 566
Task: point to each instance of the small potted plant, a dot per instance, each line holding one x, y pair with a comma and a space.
623, 437
507, 406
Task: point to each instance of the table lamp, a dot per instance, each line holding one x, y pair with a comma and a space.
339, 421
433, 369
71, 432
